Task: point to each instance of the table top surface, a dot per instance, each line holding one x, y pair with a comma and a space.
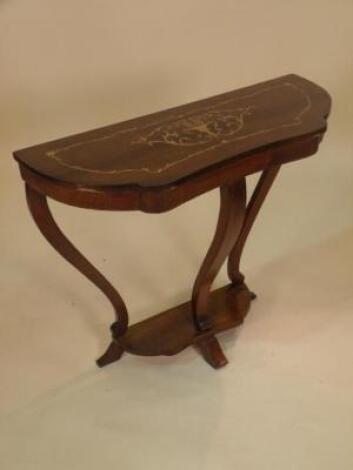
166, 147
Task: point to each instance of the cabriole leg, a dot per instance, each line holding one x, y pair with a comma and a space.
42, 216
230, 221
262, 188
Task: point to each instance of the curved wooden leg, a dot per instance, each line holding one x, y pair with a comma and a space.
42, 216
256, 201
230, 221
212, 352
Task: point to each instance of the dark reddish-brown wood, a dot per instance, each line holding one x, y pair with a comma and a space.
157, 162
159, 149
42, 216
260, 192
230, 221
173, 330
112, 354
212, 352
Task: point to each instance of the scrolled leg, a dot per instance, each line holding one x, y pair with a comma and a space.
230, 221
256, 201
42, 216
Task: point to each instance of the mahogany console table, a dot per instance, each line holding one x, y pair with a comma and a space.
157, 162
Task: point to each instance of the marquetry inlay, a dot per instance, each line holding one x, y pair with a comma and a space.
214, 126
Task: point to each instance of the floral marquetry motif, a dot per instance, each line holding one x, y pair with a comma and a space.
198, 130
164, 147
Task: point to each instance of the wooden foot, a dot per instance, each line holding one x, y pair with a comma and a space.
112, 354
173, 330
212, 352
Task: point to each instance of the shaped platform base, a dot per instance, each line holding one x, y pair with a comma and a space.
170, 332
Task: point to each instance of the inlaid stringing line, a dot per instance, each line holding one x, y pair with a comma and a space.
54, 154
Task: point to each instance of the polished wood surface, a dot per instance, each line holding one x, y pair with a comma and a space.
42, 216
164, 198
230, 221
173, 330
261, 190
165, 147
160, 161
212, 352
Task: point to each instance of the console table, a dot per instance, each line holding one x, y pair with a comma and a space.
155, 163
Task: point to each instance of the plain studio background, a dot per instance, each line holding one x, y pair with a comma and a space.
285, 399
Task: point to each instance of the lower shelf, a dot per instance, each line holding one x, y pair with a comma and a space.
173, 330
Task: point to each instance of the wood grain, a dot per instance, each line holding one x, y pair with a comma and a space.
171, 331
165, 147
157, 162
230, 221
44, 220
261, 190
